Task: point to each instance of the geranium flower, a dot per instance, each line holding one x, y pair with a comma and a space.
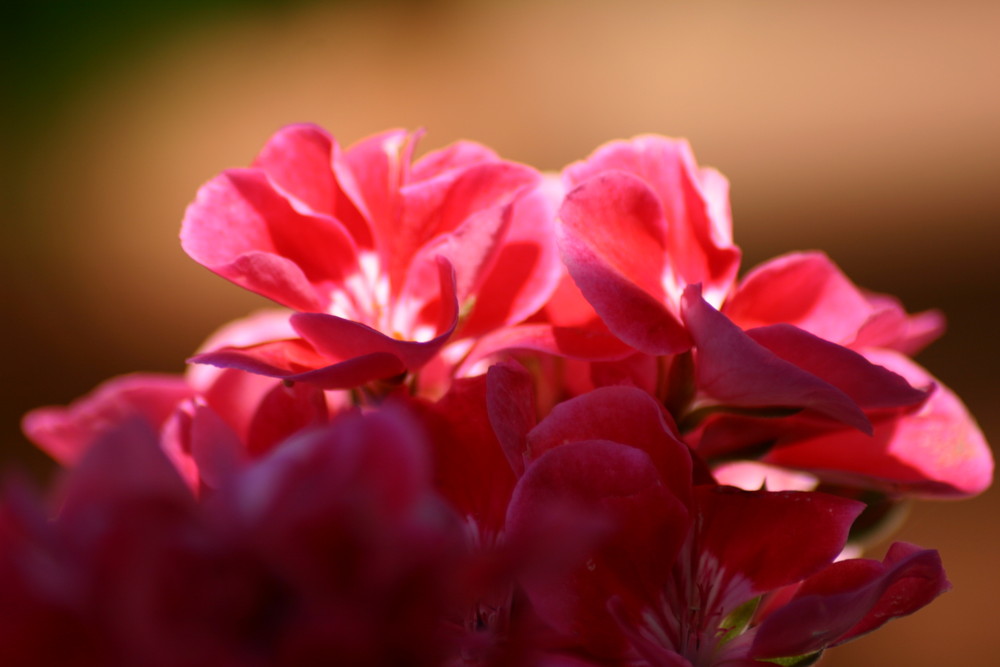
385, 261
677, 579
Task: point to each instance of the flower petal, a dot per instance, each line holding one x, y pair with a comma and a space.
695, 204
613, 243
620, 414
241, 228
935, 451
616, 484
65, 433
851, 598
735, 370
870, 386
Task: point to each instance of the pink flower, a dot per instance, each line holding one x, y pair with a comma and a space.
385, 261
640, 224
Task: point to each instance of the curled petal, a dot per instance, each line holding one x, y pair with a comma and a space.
735, 370
871, 386
282, 359
695, 204
339, 338
849, 599
807, 290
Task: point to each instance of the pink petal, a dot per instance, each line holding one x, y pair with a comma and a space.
851, 598
804, 289
571, 342
283, 412
937, 450
455, 156
298, 160
734, 370
245, 231
695, 204
65, 433
892, 328
126, 461
612, 244
527, 267
202, 446
371, 173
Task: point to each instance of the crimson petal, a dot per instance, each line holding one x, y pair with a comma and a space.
591, 481
851, 598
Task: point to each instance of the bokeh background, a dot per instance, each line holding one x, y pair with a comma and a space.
870, 130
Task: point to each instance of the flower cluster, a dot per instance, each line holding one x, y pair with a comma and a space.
504, 418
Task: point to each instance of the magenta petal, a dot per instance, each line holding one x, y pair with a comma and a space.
271, 360
851, 598
340, 339
598, 481
868, 385
771, 539
734, 370
587, 344
65, 433
621, 414
613, 244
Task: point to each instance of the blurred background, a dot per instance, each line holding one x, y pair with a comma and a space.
869, 130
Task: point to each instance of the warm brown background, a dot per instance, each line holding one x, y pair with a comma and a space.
871, 130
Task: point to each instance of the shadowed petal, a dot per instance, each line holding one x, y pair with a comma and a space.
849, 599
735, 370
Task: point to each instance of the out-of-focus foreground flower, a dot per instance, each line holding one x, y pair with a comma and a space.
505, 418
